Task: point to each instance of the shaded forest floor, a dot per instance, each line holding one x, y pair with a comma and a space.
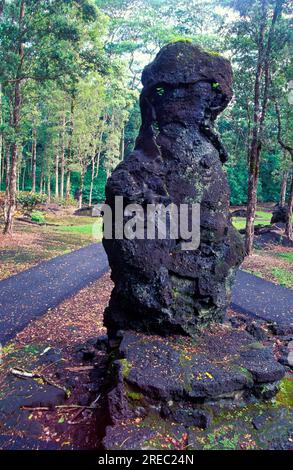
59, 346
275, 264
64, 232
271, 261
63, 407
32, 244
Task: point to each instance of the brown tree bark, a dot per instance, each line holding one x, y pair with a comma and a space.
283, 188
41, 178
285, 146
49, 186
57, 175
11, 195
92, 181
288, 228
259, 114
254, 150
23, 176
81, 188
1, 140
62, 160
69, 150
68, 184
34, 159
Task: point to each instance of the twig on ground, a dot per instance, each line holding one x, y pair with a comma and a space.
91, 407
23, 374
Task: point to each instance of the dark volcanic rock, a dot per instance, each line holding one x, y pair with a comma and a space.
173, 365
184, 383
279, 214
220, 363
239, 213
256, 331
177, 159
187, 416
281, 330
102, 343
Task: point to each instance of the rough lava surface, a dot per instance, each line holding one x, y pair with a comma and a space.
178, 158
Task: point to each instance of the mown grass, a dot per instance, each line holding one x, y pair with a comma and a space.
86, 229
284, 277
287, 256
59, 235
263, 218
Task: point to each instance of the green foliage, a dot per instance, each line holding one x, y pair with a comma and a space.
125, 367
38, 216
29, 200
86, 229
284, 277
80, 83
285, 394
287, 256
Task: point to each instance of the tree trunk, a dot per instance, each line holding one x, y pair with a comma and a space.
253, 149
7, 179
8, 227
92, 181
81, 189
1, 140
23, 177
49, 186
259, 114
283, 188
11, 196
68, 175
42, 178
57, 176
34, 159
122, 147
69, 152
62, 163
288, 229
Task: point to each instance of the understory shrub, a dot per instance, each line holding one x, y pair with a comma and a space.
38, 216
29, 200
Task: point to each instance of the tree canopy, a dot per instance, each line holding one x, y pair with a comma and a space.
70, 80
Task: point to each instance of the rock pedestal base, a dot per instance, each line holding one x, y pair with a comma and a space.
168, 391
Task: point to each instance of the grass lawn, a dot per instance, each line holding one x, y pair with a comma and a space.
262, 218
32, 244
274, 264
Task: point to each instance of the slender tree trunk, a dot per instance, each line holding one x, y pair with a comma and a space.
259, 114
49, 186
11, 197
7, 179
12, 191
23, 176
34, 159
3, 161
288, 229
92, 181
1, 140
283, 188
68, 184
62, 162
57, 176
42, 178
81, 189
18, 170
122, 151
71, 130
